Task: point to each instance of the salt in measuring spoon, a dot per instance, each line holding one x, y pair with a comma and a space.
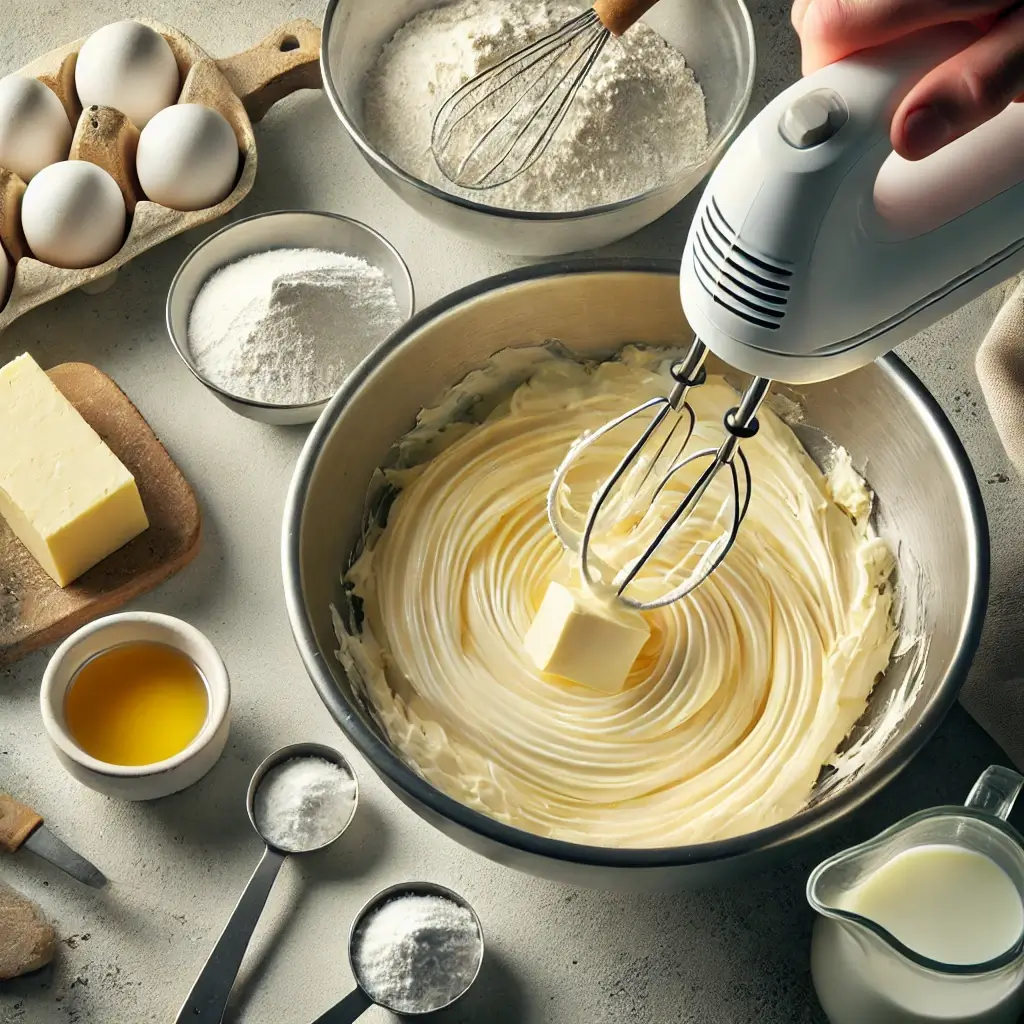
363, 996
208, 999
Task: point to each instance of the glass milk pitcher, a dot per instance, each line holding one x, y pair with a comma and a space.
864, 974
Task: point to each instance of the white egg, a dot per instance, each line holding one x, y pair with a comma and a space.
34, 127
130, 67
73, 215
6, 270
188, 157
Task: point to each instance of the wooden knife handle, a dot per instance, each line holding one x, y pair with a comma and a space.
17, 823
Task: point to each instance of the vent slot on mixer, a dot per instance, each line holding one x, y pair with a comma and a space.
728, 235
715, 290
725, 272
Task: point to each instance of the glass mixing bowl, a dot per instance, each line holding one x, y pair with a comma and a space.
716, 36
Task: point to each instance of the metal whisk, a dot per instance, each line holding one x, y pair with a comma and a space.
655, 471
501, 121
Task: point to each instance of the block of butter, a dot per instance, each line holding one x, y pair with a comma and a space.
63, 492
579, 637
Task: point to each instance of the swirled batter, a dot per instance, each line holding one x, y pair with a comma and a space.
744, 690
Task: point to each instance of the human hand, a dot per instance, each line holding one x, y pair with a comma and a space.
965, 91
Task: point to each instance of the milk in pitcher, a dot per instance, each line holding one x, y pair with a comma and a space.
925, 923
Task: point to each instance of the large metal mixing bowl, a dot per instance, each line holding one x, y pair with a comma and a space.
928, 497
716, 37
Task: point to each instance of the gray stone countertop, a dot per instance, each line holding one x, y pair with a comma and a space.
558, 954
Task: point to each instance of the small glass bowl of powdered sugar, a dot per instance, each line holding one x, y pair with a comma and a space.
273, 312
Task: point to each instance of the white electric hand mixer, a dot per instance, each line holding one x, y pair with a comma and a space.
804, 262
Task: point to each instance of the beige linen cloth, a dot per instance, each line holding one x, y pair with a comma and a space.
1000, 367
998, 704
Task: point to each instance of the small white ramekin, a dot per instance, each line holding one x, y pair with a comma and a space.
137, 782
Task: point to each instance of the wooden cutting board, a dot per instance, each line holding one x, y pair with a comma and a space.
34, 611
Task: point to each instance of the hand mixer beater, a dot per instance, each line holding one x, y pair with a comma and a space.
640, 477
813, 251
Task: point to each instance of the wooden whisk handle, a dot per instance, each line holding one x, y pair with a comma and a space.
618, 15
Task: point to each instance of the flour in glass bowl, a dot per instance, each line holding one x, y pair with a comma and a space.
636, 124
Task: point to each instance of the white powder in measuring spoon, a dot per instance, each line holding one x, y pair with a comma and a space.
638, 121
285, 326
304, 803
416, 953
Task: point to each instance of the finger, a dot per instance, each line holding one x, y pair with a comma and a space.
964, 92
796, 15
833, 29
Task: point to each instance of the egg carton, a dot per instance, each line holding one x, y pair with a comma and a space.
242, 87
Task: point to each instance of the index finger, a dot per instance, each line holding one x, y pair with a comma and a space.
832, 29
797, 12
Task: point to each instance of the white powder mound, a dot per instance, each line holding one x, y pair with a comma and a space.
415, 954
304, 803
287, 325
638, 120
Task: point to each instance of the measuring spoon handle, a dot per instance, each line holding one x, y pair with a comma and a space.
354, 1005
209, 996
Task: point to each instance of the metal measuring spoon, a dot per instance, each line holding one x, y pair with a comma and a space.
360, 999
208, 999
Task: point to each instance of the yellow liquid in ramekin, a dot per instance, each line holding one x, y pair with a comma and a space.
136, 704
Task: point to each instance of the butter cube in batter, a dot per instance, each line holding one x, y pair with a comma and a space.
579, 637
64, 493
